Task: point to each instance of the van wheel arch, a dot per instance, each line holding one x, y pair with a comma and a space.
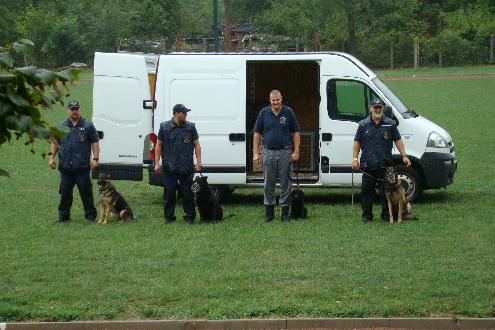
412, 180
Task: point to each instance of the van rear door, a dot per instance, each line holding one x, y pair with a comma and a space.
120, 90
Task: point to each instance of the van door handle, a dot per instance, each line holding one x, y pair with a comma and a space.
326, 137
149, 104
237, 137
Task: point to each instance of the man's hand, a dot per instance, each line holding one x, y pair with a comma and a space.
295, 156
197, 168
94, 163
51, 163
157, 169
256, 158
406, 161
355, 165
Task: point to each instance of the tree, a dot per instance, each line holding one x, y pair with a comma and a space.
24, 92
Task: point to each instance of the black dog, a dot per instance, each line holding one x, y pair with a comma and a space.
209, 208
297, 208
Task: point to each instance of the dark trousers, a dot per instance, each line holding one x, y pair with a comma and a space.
184, 183
369, 184
67, 182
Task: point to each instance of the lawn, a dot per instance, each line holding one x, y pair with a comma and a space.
330, 265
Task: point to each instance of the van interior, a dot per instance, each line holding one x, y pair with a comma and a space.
298, 81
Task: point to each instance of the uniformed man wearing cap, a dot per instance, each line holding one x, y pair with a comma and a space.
177, 142
74, 152
374, 138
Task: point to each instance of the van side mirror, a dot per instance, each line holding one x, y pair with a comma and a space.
387, 111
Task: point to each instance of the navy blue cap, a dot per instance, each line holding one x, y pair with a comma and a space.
180, 108
73, 104
377, 102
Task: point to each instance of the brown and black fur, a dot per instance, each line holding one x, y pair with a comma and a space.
398, 206
111, 202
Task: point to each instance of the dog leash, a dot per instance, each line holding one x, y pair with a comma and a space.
371, 176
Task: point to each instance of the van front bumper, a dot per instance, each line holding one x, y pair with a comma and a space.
438, 168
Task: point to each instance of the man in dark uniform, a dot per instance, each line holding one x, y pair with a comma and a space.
374, 138
278, 126
74, 150
177, 141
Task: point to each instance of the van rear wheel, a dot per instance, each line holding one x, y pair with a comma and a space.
221, 191
411, 181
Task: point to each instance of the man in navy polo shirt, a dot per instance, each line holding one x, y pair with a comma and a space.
375, 137
278, 126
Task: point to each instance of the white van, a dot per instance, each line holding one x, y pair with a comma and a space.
330, 93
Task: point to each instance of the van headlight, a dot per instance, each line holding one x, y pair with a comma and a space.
435, 140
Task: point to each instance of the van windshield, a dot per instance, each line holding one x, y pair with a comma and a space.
396, 102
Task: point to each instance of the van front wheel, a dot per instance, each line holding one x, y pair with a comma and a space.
411, 181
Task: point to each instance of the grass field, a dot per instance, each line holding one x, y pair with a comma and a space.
330, 265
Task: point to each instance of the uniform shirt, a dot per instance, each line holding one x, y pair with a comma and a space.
276, 130
75, 146
376, 141
178, 147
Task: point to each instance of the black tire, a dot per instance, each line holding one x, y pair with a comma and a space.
221, 191
411, 181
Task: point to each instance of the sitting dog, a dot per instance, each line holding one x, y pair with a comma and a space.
297, 208
398, 206
209, 208
111, 202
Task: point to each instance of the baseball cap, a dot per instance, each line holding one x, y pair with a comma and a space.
180, 108
377, 102
73, 104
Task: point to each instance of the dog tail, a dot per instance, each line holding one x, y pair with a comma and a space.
409, 215
126, 214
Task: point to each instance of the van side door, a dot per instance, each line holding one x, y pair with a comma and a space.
345, 103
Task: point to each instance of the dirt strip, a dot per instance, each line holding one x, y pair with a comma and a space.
343, 323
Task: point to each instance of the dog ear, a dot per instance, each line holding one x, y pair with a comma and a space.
108, 176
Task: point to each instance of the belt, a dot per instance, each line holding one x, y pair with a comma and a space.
278, 148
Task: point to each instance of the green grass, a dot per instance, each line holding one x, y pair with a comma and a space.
428, 71
330, 265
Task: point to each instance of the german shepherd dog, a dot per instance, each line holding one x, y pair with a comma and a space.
111, 202
297, 208
209, 208
398, 206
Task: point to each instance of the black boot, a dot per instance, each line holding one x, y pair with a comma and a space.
284, 215
269, 212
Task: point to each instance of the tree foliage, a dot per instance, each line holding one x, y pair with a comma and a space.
25, 92
68, 31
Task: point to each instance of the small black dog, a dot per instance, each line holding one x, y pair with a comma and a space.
209, 208
111, 202
297, 208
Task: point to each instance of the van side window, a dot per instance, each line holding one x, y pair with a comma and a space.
348, 99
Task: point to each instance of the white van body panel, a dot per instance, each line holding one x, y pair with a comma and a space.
213, 87
119, 88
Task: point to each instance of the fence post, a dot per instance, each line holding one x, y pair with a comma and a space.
391, 53
492, 37
416, 52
